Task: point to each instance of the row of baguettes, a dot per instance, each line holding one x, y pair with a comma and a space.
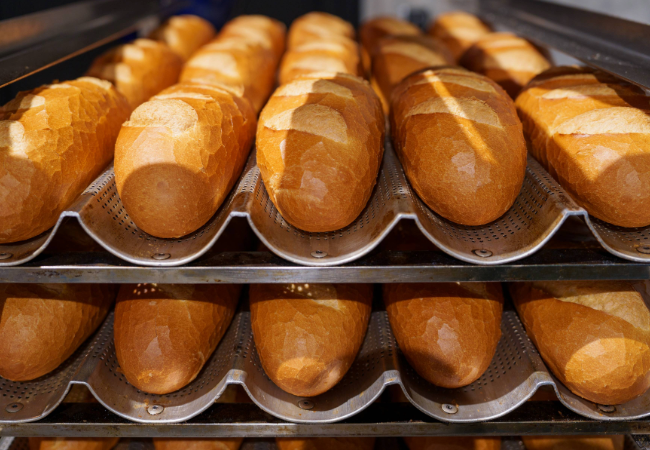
594, 336
413, 443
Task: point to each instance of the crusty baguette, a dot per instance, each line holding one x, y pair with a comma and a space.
458, 30
319, 148
265, 31
308, 335
41, 325
179, 155
341, 443
593, 335
448, 332
54, 141
452, 443
574, 442
164, 334
373, 30
509, 60
318, 26
460, 142
138, 70
197, 444
184, 34
72, 443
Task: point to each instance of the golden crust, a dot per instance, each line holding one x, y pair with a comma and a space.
452, 443
184, 34
72, 443
574, 442
318, 26
197, 444
458, 30
373, 30
364, 443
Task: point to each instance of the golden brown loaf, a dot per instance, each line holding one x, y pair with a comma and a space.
373, 30
184, 34
319, 148
452, 443
593, 335
243, 57
54, 141
458, 30
308, 335
396, 57
318, 26
179, 155
138, 70
448, 331
507, 59
574, 442
165, 333
41, 325
72, 443
364, 443
460, 142
197, 444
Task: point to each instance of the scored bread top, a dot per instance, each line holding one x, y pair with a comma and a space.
184, 34
318, 26
373, 30
458, 30
262, 30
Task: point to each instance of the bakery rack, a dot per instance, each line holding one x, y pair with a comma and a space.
35, 42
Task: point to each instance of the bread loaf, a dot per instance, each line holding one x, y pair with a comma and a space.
593, 335
179, 155
458, 30
72, 443
184, 34
308, 335
319, 148
164, 334
54, 141
243, 57
574, 442
318, 26
452, 443
138, 70
396, 57
507, 59
460, 142
448, 331
41, 325
197, 444
373, 30
340, 443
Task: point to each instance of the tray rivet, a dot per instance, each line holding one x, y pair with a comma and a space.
318, 254
154, 410
482, 253
306, 404
7, 255
607, 408
645, 249
161, 256
14, 407
449, 409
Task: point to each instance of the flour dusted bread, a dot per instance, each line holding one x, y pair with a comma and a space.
138, 70
318, 26
364, 443
448, 331
574, 442
184, 34
319, 148
593, 335
460, 142
179, 155
307, 335
373, 30
509, 60
164, 333
41, 325
452, 443
54, 141
458, 30
72, 443
197, 444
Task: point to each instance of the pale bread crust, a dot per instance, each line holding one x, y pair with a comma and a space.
458, 30
179, 155
340, 443
374, 29
460, 142
448, 331
164, 334
184, 34
308, 335
54, 141
593, 336
72, 443
452, 443
574, 442
197, 444
41, 325
319, 148
139, 70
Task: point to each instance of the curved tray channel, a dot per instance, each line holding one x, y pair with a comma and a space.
627, 243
